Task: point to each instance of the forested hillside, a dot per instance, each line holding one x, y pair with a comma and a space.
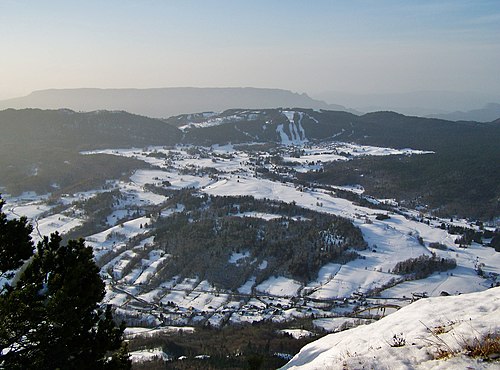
40, 149
292, 241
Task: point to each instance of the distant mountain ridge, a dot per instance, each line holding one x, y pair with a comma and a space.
490, 112
437, 104
166, 102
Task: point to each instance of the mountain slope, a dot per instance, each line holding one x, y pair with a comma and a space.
301, 125
99, 129
431, 333
165, 102
39, 150
460, 178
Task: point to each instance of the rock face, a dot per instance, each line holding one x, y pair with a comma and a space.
432, 333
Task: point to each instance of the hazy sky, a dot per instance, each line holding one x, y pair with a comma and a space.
304, 45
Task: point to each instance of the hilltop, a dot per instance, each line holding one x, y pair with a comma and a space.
458, 332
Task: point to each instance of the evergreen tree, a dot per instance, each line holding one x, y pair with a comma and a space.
50, 316
15, 241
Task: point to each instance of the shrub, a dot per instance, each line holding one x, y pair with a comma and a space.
398, 340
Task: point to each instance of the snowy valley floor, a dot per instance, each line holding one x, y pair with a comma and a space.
130, 261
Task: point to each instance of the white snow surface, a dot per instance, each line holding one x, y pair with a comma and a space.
336, 324
134, 332
147, 355
247, 287
297, 133
236, 257
389, 241
297, 333
426, 327
280, 285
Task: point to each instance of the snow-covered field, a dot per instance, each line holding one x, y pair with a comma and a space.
147, 355
130, 260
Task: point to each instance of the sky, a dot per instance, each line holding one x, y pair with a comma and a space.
356, 46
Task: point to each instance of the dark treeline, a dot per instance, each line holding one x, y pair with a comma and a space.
423, 266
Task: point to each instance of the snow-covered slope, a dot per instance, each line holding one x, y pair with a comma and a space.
132, 262
417, 336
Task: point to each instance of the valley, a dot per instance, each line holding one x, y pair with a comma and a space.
230, 235
250, 185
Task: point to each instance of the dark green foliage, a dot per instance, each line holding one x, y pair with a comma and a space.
297, 243
232, 347
255, 362
15, 241
84, 131
39, 168
467, 236
97, 208
436, 245
495, 242
423, 266
460, 178
50, 316
101, 203
41, 147
260, 128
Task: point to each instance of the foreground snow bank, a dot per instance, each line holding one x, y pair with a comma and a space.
413, 337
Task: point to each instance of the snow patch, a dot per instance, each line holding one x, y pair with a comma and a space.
280, 285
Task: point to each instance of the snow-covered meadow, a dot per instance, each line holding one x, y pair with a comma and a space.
130, 260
